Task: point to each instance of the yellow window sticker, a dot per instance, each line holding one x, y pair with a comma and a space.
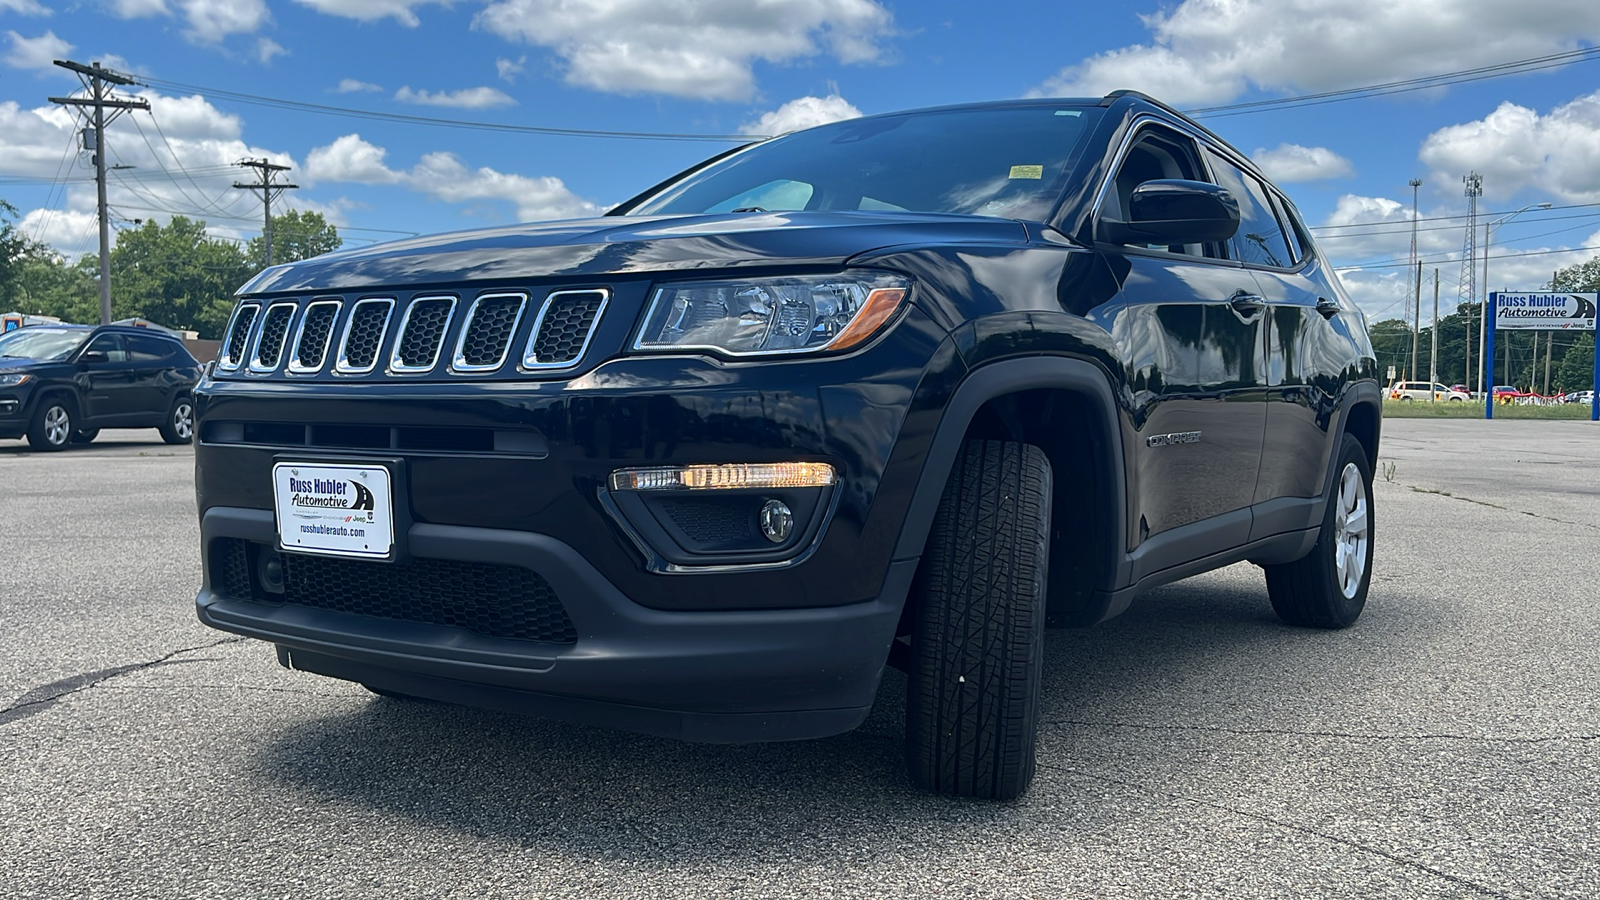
1027, 171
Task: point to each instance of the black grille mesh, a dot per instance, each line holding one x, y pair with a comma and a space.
491, 600
489, 332
314, 333
240, 332
721, 521
566, 326
366, 333
230, 568
273, 329
419, 345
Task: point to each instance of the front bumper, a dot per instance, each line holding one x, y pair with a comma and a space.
728, 676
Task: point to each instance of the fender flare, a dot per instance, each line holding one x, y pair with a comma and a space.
1356, 394
997, 379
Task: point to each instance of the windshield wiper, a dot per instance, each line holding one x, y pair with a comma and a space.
750, 209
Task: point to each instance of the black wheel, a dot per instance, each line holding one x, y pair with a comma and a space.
178, 427
51, 426
85, 435
1328, 588
977, 642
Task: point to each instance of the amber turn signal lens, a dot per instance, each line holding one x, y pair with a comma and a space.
880, 306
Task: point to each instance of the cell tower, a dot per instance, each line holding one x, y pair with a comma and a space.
1467, 292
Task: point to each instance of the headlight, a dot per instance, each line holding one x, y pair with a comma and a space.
770, 315
14, 379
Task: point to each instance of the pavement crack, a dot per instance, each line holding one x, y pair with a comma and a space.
1289, 826
1443, 493
45, 696
1343, 735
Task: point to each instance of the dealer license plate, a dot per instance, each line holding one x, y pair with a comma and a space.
340, 510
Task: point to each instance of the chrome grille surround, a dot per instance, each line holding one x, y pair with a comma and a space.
397, 363
238, 336
588, 322
460, 362
270, 339
358, 325
311, 324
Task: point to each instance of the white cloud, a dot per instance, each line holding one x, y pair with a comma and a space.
373, 10
70, 232
1210, 51
687, 48
25, 7
212, 20
36, 53
445, 177
1292, 162
139, 9
466, 98
508, 70
802, 112
1515, 148
203, 141
267, 48
350, 159
353, 86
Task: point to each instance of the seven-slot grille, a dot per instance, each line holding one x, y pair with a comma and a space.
411, 337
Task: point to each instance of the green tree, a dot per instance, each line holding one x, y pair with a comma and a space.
177, 276
14, 248
1576, 370
295, 236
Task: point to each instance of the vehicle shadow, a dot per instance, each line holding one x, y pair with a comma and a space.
587, 791
134, 443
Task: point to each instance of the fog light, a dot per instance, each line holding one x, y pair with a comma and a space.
738, 475
777, 521
272, 573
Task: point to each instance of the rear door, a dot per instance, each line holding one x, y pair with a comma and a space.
149, 362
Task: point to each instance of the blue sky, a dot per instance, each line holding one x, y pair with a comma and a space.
755, 66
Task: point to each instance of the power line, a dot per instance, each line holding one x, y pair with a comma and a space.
350, 112
1460, 76
270, 189
1445, 259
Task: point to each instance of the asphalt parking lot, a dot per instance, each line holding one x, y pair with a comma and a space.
1448, 745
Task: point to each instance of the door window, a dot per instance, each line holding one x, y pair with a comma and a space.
110, 345
1157, 154
143, 349
1260, 240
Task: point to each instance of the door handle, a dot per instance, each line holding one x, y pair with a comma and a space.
1327, 307
1247, 304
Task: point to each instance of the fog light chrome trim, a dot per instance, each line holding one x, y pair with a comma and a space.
736, 475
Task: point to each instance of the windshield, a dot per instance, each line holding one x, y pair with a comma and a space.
1000, 161
41, 343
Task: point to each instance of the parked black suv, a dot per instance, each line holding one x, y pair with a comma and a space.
61, 384
889, 391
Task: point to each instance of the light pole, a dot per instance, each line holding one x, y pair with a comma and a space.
1483, 309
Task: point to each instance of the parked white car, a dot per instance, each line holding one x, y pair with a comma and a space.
1422, 390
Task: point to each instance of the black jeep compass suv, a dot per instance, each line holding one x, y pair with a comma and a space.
891, 391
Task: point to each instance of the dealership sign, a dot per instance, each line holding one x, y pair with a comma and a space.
1544, 311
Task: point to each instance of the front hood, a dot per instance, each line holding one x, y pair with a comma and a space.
624, 245
13, 364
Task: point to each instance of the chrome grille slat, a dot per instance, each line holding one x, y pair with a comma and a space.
486, 335
269, 340
315, 334
238, 336
566, 324
421, 335
363, 335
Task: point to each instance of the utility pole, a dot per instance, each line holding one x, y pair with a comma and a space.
1416, 294
1433, 352
1467, 293
270, 190
1549, 345
97, 81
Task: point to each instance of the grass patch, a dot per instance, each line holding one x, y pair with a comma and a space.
1473, 409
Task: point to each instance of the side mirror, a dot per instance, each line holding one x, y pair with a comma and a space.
1172, 211
94, 356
